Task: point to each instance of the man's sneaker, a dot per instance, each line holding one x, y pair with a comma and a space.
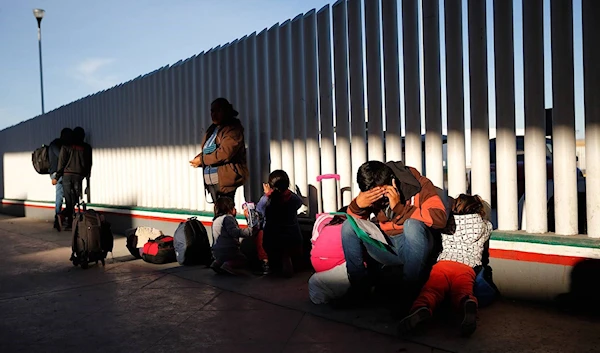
469, 322
412, 321
215, 266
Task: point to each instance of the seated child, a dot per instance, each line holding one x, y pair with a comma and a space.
226, 234
327, 257
463, 243
282, 237
261, 207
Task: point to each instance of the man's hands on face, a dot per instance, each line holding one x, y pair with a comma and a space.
369, 197
392, 194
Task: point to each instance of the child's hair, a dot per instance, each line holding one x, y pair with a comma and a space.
468, 204
279, 181
224, 205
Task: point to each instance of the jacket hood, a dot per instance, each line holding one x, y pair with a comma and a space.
409, 184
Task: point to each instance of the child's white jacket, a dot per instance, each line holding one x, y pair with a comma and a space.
467, 242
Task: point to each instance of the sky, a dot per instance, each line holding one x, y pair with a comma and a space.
93, 47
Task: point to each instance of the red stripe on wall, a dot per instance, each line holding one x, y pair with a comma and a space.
535, 257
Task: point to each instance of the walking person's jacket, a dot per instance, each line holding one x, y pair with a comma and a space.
75, 159
53, 154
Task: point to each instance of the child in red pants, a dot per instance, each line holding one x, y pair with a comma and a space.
463, 242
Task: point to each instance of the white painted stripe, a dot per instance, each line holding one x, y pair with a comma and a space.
125, 212
560, 250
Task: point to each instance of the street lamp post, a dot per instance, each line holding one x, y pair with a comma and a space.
39, 14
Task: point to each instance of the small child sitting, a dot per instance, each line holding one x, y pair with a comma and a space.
463, 243
226, 234
282, 236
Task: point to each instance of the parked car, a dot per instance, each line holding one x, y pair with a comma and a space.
521, 168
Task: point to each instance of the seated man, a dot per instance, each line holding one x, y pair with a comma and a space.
406, 205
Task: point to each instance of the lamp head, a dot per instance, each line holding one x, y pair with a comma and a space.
38, 13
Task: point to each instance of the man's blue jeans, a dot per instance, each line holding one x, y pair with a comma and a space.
59, 196
411, 247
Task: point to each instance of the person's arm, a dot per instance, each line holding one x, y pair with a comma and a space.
63, 158
261, 206
231, 142
53, 156
432, 210
362, 205
232, 228
296, 201
357, 211
196, 162
88, 158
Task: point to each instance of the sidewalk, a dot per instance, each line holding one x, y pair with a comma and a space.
48, 305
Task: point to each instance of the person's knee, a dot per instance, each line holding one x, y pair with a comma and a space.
348, 232
417, 234
412, 225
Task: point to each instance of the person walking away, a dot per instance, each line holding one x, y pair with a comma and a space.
74, 164
453, 275
65, 138
223, 155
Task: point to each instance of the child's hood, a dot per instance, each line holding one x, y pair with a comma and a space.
468, 218
473, 225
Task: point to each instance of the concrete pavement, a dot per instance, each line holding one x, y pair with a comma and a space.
47, 305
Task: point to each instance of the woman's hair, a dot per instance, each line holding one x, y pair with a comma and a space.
338, 219
224, 104
224, 205
279, 181
468, 204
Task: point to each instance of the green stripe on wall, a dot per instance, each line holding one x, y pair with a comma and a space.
519, 237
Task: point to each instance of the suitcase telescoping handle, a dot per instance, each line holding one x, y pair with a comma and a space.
338, 191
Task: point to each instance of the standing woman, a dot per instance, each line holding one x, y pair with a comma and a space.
223, 155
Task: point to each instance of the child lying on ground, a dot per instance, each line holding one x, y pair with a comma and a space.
226, 234
282, 236
463, 243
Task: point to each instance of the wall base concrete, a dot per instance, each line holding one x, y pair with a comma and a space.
518, 279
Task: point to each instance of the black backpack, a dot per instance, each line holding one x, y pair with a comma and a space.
92, 238
159, 250
192, 246
41, 160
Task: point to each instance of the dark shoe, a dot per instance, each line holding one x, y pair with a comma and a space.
265, 268
412, 321
215, 266
469, 322
228, 268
